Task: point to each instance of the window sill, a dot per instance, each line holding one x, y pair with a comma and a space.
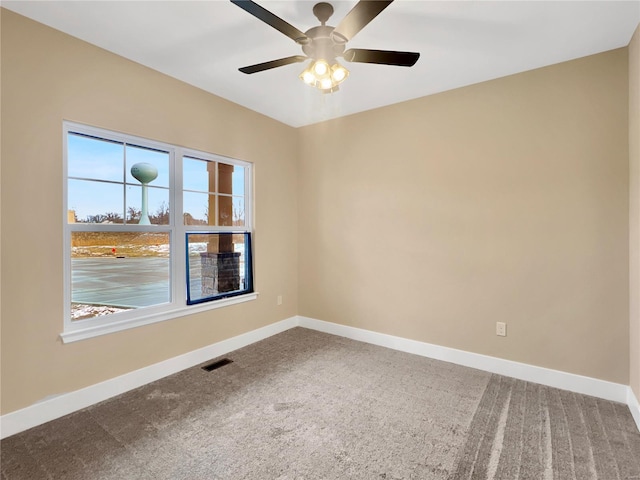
81, 333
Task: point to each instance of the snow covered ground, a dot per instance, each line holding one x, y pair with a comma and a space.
80, 311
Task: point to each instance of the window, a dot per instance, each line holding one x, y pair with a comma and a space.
152, 231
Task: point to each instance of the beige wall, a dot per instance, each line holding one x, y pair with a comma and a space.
47, 77
503, 201
634, 209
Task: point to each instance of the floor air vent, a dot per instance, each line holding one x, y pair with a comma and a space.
217, 364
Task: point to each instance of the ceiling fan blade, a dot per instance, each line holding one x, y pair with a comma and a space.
383, 57
273, 20
260, 67
358, 18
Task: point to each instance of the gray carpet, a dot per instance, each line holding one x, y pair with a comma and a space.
307, 405
522, 430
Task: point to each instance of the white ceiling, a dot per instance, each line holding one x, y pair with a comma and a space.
204, 43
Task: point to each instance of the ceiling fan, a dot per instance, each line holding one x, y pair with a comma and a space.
324, 43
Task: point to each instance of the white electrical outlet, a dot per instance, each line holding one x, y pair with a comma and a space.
279, 300
501, 329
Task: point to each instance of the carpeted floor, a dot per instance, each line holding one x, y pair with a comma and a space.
307, 405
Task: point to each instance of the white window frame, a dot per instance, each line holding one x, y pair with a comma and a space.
177, 307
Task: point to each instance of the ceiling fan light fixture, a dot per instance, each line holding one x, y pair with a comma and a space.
339, 73
320, 68
318, 74
308, 77
325, 83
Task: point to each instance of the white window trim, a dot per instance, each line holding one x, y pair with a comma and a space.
117, 326
177, 307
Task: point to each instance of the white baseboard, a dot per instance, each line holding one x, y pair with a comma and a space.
634, 406
552, 378
58, 406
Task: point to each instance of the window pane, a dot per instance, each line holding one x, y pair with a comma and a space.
238, 181
225, 211
196, 208
218, 266
157, 162
89, 157
118, 271
198, 175
238, 211
95, 202
157, 205
225, 177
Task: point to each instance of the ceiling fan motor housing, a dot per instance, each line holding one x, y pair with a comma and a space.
322, 45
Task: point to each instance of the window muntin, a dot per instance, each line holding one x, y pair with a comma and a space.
117, 268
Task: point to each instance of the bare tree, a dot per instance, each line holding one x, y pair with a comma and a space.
133, 214
161, 217
113, 217
238, 216
98, 218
